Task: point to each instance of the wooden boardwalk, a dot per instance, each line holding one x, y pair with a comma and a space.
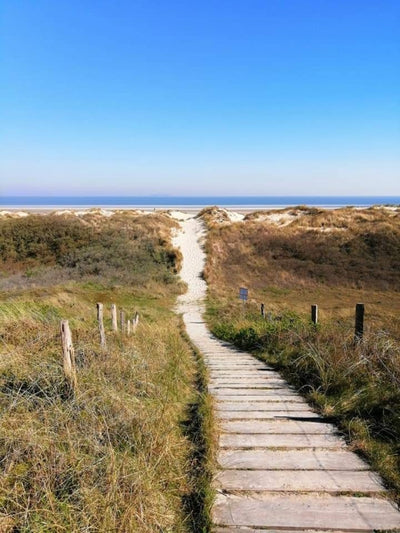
281, 467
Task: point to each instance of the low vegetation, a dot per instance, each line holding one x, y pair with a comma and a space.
292, 258
129, 450
126, 247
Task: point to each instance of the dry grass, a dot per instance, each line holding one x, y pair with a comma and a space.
123, 453
293, 266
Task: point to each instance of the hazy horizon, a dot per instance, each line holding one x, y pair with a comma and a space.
191, 202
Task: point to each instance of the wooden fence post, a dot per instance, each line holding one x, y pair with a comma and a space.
262, 310
101, 325
135, 321
114, 323
359, 322
314, 314
68, 354
122, 321
128, 327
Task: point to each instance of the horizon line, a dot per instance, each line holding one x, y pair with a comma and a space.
203, 196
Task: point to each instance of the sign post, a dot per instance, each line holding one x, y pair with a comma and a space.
243, 294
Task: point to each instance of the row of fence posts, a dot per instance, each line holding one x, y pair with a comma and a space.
127, 326
69, 364
358, 324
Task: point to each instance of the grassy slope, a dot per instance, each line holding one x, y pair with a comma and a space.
123, 454
334, 259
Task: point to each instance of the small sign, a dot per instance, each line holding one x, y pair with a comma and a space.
243, 294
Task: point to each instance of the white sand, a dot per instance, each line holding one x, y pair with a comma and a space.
189, 240
221, 216
83, 212
179, 215
234, 216
278, 219
14, 214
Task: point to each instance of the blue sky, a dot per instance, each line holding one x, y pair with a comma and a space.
248, 97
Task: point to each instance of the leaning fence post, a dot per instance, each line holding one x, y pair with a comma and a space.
314, 314
68, 354
101, 325
359, 322
262, 310
122, 321
114, 323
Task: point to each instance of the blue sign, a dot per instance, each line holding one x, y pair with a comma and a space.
243, 294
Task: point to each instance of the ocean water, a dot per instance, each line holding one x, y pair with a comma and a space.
194, 201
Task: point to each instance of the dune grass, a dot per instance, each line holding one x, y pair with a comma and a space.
127, 247
288, 267
129, 450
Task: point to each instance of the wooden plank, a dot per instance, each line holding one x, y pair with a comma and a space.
254, 392
299, 481
261, 405
291, 460
270, 384
246, 441
335, 513
255, 375
243, 373
247, 381
265, 396
267, 415
253, 427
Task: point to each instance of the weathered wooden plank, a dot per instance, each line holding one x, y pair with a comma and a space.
261, 405
266, 415
285, 391
343, 513
244, 440
271, 384
253, 427
259, 396
243, 380
291, 460
299, 481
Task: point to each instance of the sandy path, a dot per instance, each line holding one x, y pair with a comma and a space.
281, 467
188, 240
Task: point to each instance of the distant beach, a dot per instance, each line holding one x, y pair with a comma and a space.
189, 204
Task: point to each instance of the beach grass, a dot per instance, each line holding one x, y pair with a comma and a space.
127, 450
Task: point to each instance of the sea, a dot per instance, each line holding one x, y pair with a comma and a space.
192, 202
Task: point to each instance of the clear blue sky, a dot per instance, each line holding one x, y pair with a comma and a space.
200, 97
